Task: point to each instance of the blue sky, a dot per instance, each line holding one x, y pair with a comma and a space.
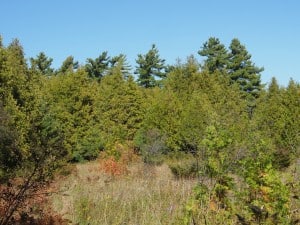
270, 29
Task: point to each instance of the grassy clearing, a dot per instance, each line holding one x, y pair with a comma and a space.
147, 195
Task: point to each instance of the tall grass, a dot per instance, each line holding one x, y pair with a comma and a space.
147, 195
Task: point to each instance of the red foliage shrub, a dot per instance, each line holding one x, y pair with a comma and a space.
115, 160
32, 207
113, 167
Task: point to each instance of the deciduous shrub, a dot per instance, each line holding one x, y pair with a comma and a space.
115, 160
187, 168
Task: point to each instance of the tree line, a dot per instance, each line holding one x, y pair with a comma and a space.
218, 110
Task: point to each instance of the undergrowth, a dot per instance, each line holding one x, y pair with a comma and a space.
144, 195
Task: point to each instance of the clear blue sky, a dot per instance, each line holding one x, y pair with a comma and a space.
270, 29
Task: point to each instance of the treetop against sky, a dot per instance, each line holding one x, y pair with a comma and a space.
84, 29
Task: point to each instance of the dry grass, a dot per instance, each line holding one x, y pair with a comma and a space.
147, 195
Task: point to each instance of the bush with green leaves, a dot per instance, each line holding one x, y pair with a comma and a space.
10, 154
266, 198
185, 167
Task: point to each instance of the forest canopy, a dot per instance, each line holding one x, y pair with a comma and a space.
217, 110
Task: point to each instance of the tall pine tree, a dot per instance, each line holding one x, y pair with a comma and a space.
42, 64
150, 66
216, 55
97, 68
69, 65
120, 63
242, 70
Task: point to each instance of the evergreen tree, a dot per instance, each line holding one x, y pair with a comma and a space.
277, 117
119, 107
165, 105
13, 73
16, 50
149, 67
242, 70
10, 152
120, 63
69, 65
183, 79
274, 88
216, 55
42, 64
69, 102
97, 68
291, 134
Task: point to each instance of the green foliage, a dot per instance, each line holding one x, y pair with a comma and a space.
13, 94
42, 64
242, 70
120, 108
214, 145
185, 167
119, 64
69, 65
71, 100
10, 154
187, 108
97, 68
13, 73
266, 197
196, 115
163, 113
278, 117
215, 140
184, 78
291, 136
30, 141
202, 209
216, 53
236, 65
149, 67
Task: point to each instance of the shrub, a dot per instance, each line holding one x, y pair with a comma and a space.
186, 168
115, 160
113, 167
151, 144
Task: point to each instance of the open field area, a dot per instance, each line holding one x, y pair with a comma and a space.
147, 195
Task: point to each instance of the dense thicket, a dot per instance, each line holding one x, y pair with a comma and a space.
218, 111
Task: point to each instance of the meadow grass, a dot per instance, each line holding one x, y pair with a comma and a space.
146, 195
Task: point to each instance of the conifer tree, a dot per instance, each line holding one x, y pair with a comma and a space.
42, 64
216, 55
119, 107
274, 87
242, 70
97, 68
120, 63
149, 67
10, 152
69, 65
